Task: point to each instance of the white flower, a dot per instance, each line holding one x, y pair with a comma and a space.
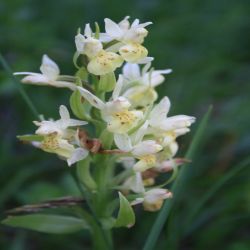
153, 199
143, 150
169, 165
124, 32
134, 183
168, 127
59, 126
50, 75
140, 84
129, 37
60, 139
86, 44
101, 62
115, 112
133, 74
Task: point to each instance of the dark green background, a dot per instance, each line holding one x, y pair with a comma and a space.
206, 43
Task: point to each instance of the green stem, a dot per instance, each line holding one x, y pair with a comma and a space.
19, 86
100, 239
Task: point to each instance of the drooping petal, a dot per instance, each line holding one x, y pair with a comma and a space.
123, 142
26, 73
92, 99
49, 68
78, 155
38, 79
62, 84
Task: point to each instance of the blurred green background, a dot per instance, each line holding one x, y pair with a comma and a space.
206, 43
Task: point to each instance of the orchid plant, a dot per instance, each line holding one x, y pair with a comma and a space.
134, 140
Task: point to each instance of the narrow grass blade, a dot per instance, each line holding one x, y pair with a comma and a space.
212, 191
19, 86
163, 214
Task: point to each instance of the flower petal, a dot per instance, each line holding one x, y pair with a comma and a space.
78, 155
92, 99
113, 29
123, 142
118, 88
146, 147
140, 133
131, 71
145, 60
87, 30
49, 68
38, 79
159, 112
64, 113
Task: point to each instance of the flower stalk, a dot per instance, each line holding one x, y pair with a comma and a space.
122, 138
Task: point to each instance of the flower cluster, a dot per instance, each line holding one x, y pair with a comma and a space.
132, 126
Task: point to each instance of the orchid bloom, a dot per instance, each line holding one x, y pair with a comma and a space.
140, 84
129, 37
60, 139
50, 75
134, 183
87, 44
168, 128
101, 62
153, 199
143, 150
116, 111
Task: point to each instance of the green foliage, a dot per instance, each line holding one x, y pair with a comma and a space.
47, 223
126, 216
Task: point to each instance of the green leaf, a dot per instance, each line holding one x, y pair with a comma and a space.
84, 175
47, 223
79, 106
107, 82
126, 216
217, 185
30, 137
164, 213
